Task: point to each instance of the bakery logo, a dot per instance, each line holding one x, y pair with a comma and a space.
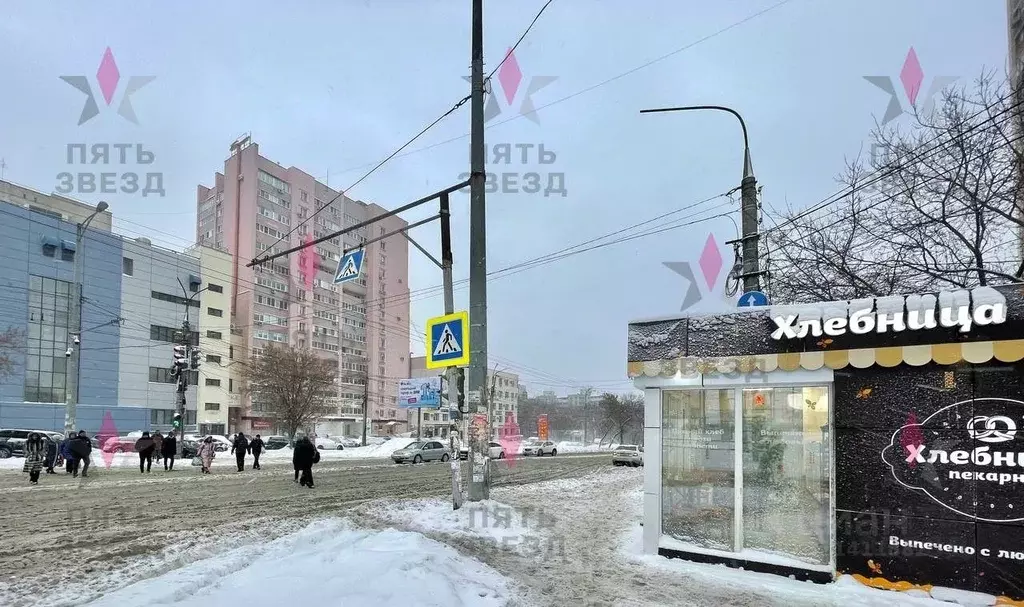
995, 429
960, 470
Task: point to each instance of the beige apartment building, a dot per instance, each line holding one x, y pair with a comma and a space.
249, 211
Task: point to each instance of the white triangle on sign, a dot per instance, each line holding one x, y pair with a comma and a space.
350, 268
447, 344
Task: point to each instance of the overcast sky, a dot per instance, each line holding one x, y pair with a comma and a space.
333, 87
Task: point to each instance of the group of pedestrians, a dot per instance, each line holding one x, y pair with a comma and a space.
149, 446
44, 453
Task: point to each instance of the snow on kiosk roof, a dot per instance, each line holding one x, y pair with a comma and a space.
948, 327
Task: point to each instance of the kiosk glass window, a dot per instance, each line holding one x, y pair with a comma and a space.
786, 473
778, 508
698, 467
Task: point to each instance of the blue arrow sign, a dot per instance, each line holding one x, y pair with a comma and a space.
752, 298
349, 266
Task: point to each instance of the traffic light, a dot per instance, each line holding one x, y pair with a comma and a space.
180, 357
176, 424
195, 359
460, 389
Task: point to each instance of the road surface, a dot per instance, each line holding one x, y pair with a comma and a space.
65, 530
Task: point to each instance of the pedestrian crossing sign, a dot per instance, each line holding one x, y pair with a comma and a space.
448, 341
349, 266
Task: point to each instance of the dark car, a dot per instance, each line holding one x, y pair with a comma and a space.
189, 449
12, 441
273, 444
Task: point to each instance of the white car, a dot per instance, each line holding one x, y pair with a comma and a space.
628, 455
541, 448
329, 444
348, 443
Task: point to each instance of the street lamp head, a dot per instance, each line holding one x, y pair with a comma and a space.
102, 206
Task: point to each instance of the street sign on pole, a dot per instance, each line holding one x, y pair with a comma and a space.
752, 299
448, 341
349, 266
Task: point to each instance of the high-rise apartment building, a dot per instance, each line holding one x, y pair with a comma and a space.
250, 211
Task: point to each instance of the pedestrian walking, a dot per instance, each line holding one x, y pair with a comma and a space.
256, 447
65, 453
303, 458
145, 448
35, 451
239, 447
51, 454
207, 451
81, 448
168, 449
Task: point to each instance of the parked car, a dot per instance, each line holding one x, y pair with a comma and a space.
541, 448
12, 441
494, 451
348, 443
329, 444
274, 443
628, 455
221, 443
189, 449
421, 452
119, 444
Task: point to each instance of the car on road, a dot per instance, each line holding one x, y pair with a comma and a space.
494, 451
541, 448
628, 455
417, 452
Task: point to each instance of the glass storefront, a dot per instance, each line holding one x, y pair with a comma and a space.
748, 471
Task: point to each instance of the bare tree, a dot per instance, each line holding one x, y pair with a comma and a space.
12, 343
293, 383
621, 413
938, 212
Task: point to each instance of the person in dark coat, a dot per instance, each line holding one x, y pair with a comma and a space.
168, 449
65, 452
304, 456
35, 451
239, 447
81, 449
158, 445
145, 448
51, 454
256, 447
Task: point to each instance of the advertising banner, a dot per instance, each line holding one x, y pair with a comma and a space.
542, 427
422, 392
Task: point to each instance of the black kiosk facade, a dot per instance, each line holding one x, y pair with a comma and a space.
880, 438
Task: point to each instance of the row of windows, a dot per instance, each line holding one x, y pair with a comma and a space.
177, 299
269, 336
273, 303
272, 284
170, 334
162, 375
279, 184
165, 417
281, 217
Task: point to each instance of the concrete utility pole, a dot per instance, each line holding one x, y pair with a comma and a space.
74, 344
366, 400
749, 211
479, 474
452, 374
586, 392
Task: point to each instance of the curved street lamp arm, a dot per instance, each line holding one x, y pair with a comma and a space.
748, 170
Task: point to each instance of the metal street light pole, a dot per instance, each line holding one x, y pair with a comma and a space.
73, 352
186, 340
748, 208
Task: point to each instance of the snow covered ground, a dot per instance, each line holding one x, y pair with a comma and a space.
327, 563
569, 541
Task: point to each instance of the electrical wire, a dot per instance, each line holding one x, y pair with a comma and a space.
516, 45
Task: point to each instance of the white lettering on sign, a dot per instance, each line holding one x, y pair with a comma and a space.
989, 308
